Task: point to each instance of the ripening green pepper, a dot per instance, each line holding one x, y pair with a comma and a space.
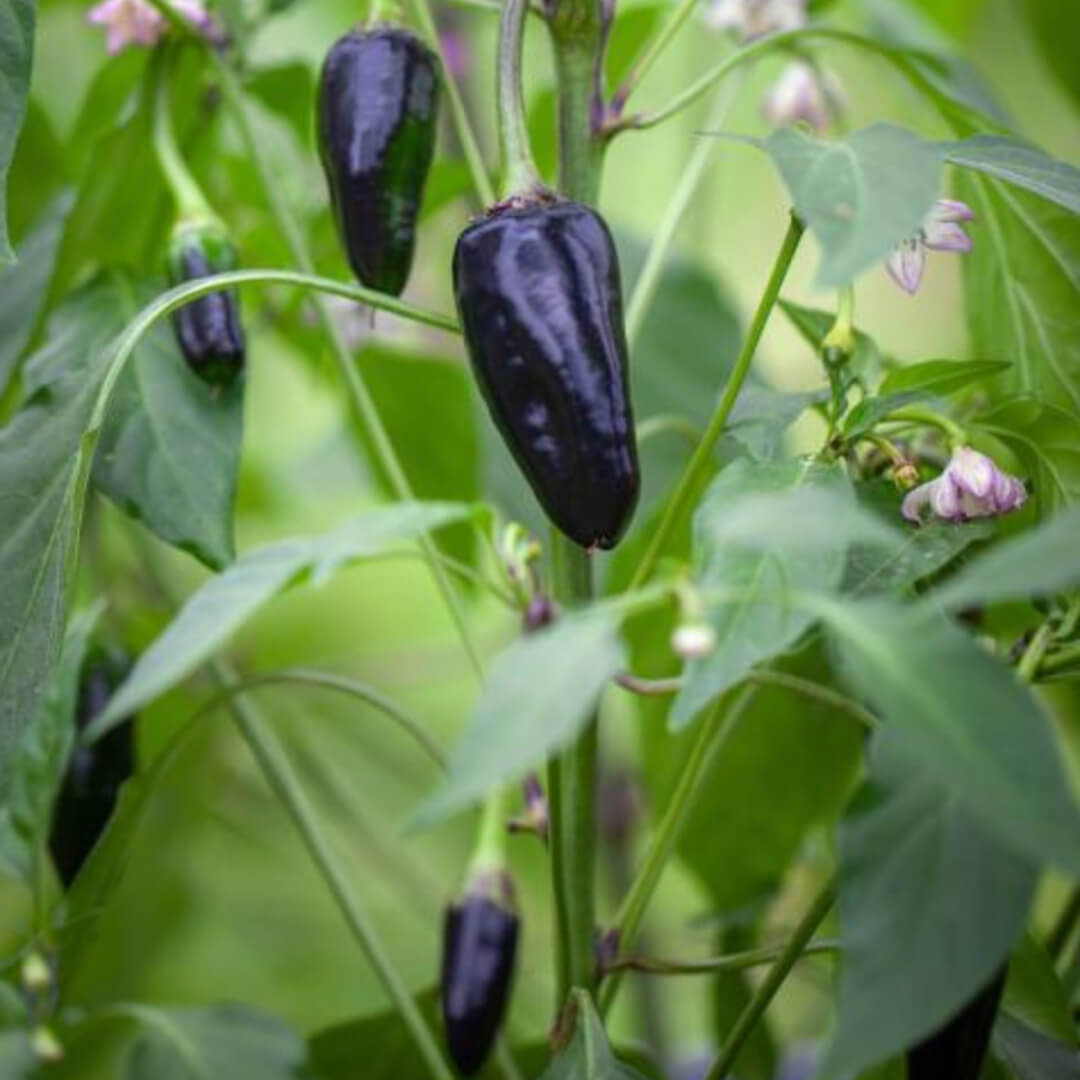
377, 110
538, 291
480, 937
208, 329
956, 1050
91, 784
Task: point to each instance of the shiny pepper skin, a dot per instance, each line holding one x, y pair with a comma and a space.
957, 1049
540, 301
208, 329
377, 112
94, 774
479, 948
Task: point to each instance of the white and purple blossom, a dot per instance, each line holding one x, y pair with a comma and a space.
802, 94
756, 18
138, 22
972, 486
941, 231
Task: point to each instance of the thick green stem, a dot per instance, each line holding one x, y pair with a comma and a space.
489, 852
581, 152
715, 730
363, 403
519, 170
703, 453
1068, 656
772, 982
274, 763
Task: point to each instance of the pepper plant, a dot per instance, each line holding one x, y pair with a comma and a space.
743, 701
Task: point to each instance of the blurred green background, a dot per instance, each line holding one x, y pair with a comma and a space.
214, 898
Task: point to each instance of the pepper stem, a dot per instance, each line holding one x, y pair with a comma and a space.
519, 169
191, 203
489, 854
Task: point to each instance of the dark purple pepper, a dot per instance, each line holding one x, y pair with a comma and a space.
208, 329
540, 300
479, 948
956, 1050
94, 774
377, 113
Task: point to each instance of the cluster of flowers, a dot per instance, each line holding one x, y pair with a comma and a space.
137, 22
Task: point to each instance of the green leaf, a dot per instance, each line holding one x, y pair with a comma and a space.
41, 756
1046, 438
17, 19
1053, 25
588, 1055
761, 417
1041, 562
1034, 993
869, 412
743, 538
1022, 285
974, 728
22, 287
860, 196
539, 694
940, 377
1031, 1055
1020, 164
17, 1058
220, 607
813, 325
929, 903
203, 1043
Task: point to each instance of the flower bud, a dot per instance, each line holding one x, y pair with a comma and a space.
692, 641
46, 1046
35, 974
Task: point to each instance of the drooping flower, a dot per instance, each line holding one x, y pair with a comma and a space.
755, 18
138, 22
802, 95
941, 231
972, 486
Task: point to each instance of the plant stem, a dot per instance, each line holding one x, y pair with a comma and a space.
469, 147
363, 403
274, 763
1064, 925
739, 961
558, 882
653, 52
649, 278
918, 414
489, 852
328, 680
772, 982
715, 730
519, 170
1061, 659
1028, 667
703, 453
581, 152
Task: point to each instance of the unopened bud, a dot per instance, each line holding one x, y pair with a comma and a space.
35, 974
692, 641
905, 475
540, 612
46, 1046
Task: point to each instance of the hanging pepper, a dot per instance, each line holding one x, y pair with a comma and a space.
377, 111
480, 936
94, 773
538, 291
208, 329
956, 1050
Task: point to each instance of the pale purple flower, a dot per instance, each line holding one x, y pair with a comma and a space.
137, 22
802, 95
941, 231
972, 486
755, 18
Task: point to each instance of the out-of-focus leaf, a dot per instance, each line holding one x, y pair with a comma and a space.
22, 287
1034, 993
1041, 562
869, 412
17, 19
588, 1056
1030, 1055
39, 172
41, 756
17, 1058
1020, 164
630, 32
1046, 438
287, 90
744, 537
940, 377
971, 725
226, 1040
1053, 25
930, 903
1022, 283
861, 196
761, 416
539, 693
218, 609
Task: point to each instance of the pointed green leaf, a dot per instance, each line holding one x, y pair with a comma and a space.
17, 18
1021, 165
588, 1055
940, 377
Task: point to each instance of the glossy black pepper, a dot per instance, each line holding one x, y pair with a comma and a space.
208, 329
540, 300
479, 948
956, 1050
94, 774
377, 112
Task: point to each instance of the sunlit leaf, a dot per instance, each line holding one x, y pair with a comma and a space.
1020, 164
929, 905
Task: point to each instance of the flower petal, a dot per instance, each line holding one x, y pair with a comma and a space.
972, 472
946, 236
906, 264
945, 499
915, 500
951, 210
